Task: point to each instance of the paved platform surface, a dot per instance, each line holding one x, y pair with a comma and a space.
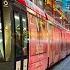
63, 65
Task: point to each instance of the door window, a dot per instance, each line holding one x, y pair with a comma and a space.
21, 34
24, 35
18, 33
21, 39
1, 42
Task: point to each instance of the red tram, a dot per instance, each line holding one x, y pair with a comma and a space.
30, 39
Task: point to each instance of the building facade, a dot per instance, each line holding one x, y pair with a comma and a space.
54, 8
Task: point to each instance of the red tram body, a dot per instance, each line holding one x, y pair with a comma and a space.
49, 42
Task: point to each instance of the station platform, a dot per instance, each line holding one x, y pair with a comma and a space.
63, 65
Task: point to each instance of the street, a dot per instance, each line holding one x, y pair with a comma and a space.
63, 65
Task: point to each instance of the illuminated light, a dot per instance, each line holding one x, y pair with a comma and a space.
68, 30
23, 19
24, 28
0, 30
0, 40
28, 39
60, 17
0, 25
17, 17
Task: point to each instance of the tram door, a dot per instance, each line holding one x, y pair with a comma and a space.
21, 42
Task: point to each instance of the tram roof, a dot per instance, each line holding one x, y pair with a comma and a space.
32, 6
54, 22
37, 10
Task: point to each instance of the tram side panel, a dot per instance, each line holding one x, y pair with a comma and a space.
50, 44
57, 49
43, 43
33, 43
37, 45
64, 39
63, 44
53, 44
60, 40
68, 43
59, 44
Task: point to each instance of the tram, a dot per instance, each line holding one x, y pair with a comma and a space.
30, 39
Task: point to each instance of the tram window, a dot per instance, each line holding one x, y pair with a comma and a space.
24, 35
18, 39
1, 42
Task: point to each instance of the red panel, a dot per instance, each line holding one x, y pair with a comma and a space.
22, 2
43, 61
45, 48
32, 47
38, 61
35, 66
33, 59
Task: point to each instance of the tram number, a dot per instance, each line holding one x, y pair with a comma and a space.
5, 3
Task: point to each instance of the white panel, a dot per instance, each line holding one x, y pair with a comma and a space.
18, 65
25, 64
